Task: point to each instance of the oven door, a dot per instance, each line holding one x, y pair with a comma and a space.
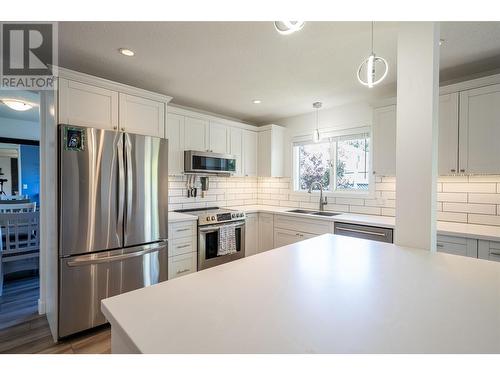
208, 245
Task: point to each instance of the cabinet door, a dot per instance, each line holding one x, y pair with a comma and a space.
251, 234
448, 134
236, 148
249, 153
283, 237
384, 141
457, 246
218, 138
480, 130
181, 265
266, 232
142, 116
175, 136
489, 250
86, 105
195, 134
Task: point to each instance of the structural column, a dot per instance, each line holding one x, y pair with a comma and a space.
417, 132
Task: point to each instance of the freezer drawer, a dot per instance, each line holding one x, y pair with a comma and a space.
364, 231
86, 280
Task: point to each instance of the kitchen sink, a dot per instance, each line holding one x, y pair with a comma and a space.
325, 213
319, 213
301, 211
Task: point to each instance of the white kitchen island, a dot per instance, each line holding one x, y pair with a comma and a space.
329, 294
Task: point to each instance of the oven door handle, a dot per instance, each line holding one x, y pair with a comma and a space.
212, 228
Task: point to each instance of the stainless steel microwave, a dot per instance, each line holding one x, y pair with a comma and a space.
209, 162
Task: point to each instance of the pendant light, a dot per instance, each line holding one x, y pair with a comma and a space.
317, 107
372, 67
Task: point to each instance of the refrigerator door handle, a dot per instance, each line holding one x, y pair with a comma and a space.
130, 182
135, 252
121, 185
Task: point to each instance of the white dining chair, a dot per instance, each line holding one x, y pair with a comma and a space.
19, 243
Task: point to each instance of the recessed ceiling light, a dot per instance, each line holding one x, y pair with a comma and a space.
288, 27
126, 52
17, 105
442, 41
256, 101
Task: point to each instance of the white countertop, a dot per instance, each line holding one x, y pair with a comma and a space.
484, 232
328, 294
174, 217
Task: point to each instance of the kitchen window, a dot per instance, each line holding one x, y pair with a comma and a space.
340, 163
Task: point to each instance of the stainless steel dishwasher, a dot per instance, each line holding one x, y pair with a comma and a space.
367, 232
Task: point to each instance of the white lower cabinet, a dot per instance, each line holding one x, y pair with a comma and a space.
181, 265
489, 250
457, 246
182, 248
251, 234
289, 229
266, 231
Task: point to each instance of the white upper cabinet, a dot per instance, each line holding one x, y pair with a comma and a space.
81, 104
218, 138
384, 141
249, 153
480, 130
271, 151
236, 148
175, 136
448, 134
196, 134
142, 116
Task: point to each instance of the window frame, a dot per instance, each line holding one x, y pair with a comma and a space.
327, 137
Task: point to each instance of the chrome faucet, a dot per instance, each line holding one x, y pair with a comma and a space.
322, 201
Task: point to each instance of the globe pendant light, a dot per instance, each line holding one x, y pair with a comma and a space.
372, 67
316, 136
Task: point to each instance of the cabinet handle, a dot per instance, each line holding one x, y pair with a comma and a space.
439, 245
374, 172
462, 170
453, 170
182, 230
123, 129
495, 253
183, 246
184, 270
115, 127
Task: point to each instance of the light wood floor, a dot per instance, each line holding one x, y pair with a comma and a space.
23, 331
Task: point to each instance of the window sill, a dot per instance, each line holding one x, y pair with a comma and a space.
338, 194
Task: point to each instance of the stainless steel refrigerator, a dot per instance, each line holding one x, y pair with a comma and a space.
113, 223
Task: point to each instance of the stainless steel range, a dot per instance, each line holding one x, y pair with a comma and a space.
221, 235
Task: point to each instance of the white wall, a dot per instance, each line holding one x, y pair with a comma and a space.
336, 118
11, 128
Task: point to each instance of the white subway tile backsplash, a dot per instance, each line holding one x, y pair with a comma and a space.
452, 197
452, 216
484, 219
473, 199
474, 208
472, 187
484, 198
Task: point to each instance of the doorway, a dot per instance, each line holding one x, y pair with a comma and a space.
19, 207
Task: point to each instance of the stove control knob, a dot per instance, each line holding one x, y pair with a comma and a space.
208, 218
213, 218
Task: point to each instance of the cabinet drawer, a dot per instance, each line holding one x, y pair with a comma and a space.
181, 265
302, 225
182, 229
489, 250
182, 246
283, 237
457, 246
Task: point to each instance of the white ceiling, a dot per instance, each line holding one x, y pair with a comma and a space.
27, 96
222, 66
